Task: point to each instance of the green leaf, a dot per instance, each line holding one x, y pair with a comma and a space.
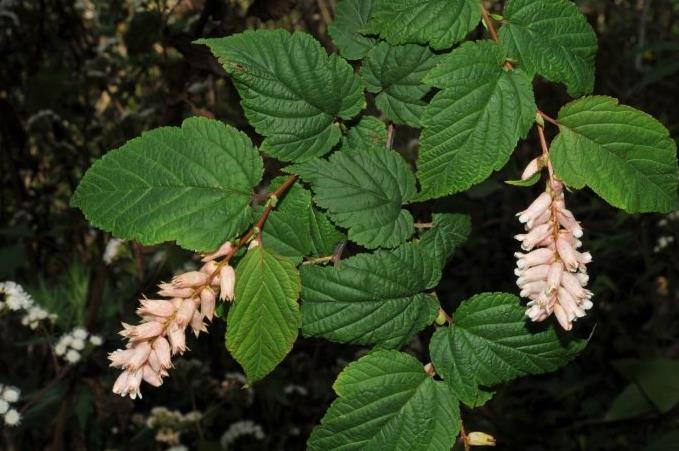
449, 230
291, 90
368, 300
364, 192
191, 184
263, 321
626, 156
438, 23
629, 403
530, 181
551, 38
395, 74
386, 401
472, 126
370, 131
490, 343
350, 17
657, 380
324, 235
296, 229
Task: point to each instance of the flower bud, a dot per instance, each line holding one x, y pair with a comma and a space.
562, 317
185, 312
160, 308
567, 254
224, 250
207, 303
170, 291
152, 377
227, 277
162, 348
480, 439
535, 209
190, 279
533, 167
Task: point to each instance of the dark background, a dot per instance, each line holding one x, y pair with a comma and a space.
78, 78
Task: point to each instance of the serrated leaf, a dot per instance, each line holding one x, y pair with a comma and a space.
350, 18
530, 181
551, 38
324, 235
489, 342
472, 126
624, 155
386, 401
295, 229
395, 74
364, 192
369, 132
291, 90
263, 321
191, 184
449, 230
368, 300
438, 23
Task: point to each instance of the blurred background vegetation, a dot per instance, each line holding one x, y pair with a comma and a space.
80, 77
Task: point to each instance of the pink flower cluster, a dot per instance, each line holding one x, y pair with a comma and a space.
161, 333
551, 271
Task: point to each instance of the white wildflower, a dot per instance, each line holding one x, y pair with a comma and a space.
79, 333
12, 418
112, 250
96, 340
72, 356
11, 394
4, 406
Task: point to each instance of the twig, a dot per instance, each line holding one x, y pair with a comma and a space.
391, 131
337, 255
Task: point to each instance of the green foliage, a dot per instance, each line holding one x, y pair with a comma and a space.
264, 319
395, 74
626, 156
191, 184
369, 132
551, 38
656, 380
473, 124
291, 90
438, 23
367, 299
489, 343
296, 229
449, 230
351, 16
387, 401
364, 192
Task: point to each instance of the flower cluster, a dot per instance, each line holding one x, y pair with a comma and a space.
240, 429
8, 396
170, 423
71, 345
162, 331
551, 271
16, 299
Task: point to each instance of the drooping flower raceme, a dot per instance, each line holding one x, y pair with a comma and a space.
162, 331
551, 271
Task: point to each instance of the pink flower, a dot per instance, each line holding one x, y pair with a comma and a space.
227, 277
190, 279
170, 291
160, 308
207, 302
552, 276
224, 250
533, 167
